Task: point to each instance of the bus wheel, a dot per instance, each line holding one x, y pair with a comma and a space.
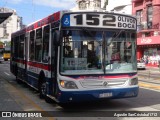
42, 90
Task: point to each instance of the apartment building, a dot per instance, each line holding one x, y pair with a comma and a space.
148, 30
10, 25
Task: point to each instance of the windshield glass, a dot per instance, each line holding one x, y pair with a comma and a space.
97, 52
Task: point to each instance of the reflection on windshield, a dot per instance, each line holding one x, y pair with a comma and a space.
97, 52
120, 52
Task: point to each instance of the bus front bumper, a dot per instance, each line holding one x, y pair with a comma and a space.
92, 95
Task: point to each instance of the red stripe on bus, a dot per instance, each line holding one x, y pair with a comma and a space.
117, 76
34, 64
40, 65
105, 77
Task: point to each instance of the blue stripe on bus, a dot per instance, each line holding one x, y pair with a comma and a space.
80, 96
33, 74
33, 80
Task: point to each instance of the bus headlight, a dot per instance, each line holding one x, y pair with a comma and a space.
68, 84
134, 81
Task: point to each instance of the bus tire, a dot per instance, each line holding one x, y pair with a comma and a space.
42, 86
42, 90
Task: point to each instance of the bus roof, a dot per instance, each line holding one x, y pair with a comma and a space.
42, 22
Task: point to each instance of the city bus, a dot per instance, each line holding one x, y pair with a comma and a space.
72, 57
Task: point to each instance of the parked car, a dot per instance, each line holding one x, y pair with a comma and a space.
141, 64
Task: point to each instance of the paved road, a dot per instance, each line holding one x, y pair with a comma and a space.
19, 97
150, 78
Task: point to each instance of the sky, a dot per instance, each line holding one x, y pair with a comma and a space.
33, 10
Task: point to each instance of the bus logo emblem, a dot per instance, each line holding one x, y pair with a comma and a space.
105, 84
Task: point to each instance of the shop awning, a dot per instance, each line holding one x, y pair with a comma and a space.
148, 40
4, 16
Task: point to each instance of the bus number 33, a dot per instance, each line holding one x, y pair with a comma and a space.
92, 19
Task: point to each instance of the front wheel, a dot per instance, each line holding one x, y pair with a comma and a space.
42, 90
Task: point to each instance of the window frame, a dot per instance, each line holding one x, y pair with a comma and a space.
32, 45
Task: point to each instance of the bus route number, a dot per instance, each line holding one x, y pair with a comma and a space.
94, 19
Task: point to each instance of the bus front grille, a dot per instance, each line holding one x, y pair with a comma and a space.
102, 83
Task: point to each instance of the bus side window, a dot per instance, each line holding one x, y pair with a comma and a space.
31, 45
45, 44
21, 46
16, 53
38, 45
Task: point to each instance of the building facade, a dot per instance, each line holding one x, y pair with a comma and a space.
148, 30
87, 5
121, 6
12, 24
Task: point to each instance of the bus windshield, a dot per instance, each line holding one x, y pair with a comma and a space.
98, 52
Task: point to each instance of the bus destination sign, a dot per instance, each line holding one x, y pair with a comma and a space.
99, 20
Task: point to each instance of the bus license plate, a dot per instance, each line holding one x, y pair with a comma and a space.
104, 95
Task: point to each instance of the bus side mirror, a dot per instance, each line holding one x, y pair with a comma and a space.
56, 37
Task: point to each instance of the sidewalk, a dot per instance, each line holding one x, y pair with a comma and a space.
7, 103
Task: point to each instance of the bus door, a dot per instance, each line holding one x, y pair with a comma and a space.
54, 51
